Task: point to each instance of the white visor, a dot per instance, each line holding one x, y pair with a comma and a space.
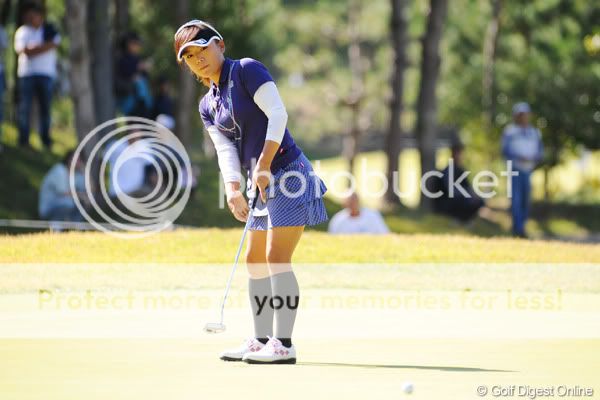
204, 37
197, 43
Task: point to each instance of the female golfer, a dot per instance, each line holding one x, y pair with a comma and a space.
246, 120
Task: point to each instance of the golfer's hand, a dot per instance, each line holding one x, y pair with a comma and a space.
237, 205
261, 177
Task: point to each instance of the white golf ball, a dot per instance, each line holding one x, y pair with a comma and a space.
407, 387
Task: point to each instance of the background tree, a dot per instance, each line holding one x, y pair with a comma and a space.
99, 33
490, 45
82, 92
186, 87
399, 42
121, 18
427, 102
356, 96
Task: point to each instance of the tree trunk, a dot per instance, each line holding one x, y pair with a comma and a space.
399, 39
186, 86
121, 18
357, 85
489, 62
102, 60
5, 12
79, 57
99, 39
427, 102
351, 141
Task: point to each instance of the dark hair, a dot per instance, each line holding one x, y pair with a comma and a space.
127, 38
32, 6
457, 148
184, 36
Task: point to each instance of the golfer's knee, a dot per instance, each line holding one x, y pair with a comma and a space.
256, 264
279, 262
255, 254
278, 256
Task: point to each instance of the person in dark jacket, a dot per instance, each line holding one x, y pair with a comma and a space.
455, 203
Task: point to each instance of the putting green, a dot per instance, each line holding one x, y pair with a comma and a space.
357, 369
447, 343
500, 313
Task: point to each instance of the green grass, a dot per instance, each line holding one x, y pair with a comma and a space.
182, 258
157, 353
153, 369
218, 246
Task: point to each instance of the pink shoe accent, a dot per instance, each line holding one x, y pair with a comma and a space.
251, 345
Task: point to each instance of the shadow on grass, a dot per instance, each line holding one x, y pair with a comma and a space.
425, 367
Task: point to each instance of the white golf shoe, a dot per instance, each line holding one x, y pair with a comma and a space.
272, 353
249, 346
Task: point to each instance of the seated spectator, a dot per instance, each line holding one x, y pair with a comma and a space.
132, 89
151, 183
127, 160
356, 219
56, 202
459, 206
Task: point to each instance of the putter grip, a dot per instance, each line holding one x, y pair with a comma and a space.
255, 199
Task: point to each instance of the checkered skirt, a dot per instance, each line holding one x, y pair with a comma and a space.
295, 198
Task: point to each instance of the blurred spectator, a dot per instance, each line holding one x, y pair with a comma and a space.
3, 46
151, 182
163, 101
55, 200
460, 206
127, 161
521, 144
35, 44
132, 88
356, 219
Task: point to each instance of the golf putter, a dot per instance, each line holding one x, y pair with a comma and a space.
218, 327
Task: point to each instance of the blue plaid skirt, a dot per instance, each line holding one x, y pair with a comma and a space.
294, 198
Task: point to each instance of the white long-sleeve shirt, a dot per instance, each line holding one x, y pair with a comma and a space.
269, 101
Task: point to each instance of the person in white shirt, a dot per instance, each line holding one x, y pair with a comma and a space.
127, 160
522, 144
355, 219
35, 44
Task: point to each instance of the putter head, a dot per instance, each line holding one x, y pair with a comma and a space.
214, 327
